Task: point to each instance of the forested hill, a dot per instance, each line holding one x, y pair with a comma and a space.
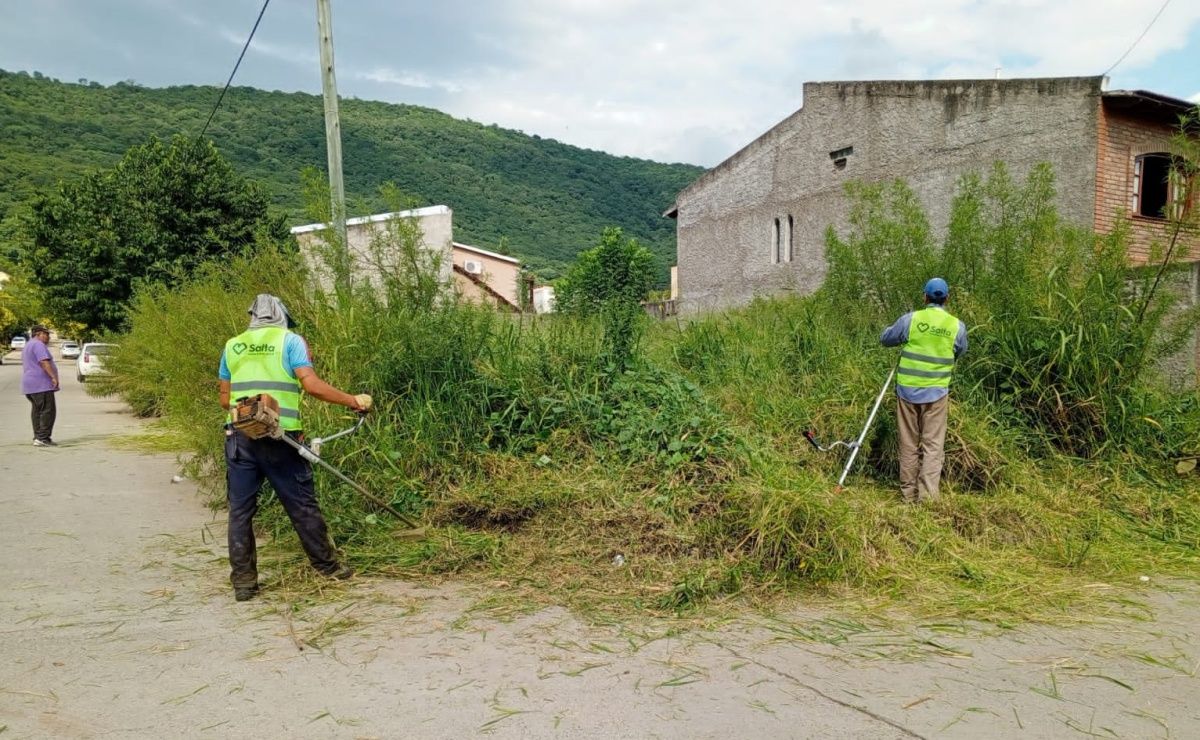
547, 200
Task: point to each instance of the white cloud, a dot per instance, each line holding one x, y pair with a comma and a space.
613, 75
389, 76
299, 55
675, 80
1194, 98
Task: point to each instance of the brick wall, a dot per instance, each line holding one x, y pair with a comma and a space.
1121, 139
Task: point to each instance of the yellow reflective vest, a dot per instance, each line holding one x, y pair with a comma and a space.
256, 361
927, 358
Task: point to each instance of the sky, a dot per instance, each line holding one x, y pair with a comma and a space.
670, 80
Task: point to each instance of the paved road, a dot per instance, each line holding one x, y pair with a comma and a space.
116, 621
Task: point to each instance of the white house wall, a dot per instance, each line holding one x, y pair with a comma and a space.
435, 222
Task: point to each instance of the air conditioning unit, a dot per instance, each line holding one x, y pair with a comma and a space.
473, 267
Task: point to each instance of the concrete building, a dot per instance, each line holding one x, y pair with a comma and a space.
754, 224
372, 240
543, 299
476, 274
487, 277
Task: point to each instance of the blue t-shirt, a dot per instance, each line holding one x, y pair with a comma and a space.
295, 355
897, 334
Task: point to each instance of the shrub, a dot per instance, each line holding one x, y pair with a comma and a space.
611, 280
1063, 336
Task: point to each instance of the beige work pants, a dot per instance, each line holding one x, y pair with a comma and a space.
922, 428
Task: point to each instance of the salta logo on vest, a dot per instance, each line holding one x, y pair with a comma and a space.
937, 331
254, 349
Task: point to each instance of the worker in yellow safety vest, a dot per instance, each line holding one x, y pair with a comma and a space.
930, 341
268, 358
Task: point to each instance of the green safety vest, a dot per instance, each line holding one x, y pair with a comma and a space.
927, 359
256, 365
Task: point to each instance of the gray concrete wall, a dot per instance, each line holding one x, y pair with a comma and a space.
1182, 369
928, 133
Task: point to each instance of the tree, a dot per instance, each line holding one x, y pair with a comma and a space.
611, 279
551, 200
613, 270
8, 320
154, 218
20, 304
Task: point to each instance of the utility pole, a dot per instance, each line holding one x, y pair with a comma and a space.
333, 141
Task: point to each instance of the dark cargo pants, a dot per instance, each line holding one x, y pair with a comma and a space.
250, 461
42, 413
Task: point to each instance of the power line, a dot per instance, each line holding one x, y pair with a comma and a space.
235, 69
1139, 38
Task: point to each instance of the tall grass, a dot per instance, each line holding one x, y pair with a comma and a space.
536, 458
1063, 335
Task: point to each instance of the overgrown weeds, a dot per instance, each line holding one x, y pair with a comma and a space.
1064, 335
679, 477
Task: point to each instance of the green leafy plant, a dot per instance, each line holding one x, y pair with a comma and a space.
1063, 333
548, 199
610, 280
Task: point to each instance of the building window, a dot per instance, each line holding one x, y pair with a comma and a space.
1151, 184
775, 243
839, 156
789, 252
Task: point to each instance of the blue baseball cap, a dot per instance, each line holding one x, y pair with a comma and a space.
936, 289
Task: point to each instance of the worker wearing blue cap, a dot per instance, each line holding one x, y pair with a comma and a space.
930, 341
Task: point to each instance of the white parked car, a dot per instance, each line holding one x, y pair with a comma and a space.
69, 350
17, 343
91, 360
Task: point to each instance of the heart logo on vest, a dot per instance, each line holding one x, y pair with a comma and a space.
921, 327
239, 348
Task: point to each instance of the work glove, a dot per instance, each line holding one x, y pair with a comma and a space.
362, 402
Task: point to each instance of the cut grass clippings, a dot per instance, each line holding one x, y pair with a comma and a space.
1013, 555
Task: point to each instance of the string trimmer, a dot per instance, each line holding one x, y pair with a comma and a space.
856, 444
258, 416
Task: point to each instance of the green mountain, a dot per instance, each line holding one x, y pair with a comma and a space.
546, 200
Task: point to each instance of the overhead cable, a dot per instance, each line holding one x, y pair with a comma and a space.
1139, 38
235, 69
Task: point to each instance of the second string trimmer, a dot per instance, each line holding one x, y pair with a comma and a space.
853, 445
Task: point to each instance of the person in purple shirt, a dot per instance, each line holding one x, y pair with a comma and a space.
39, 383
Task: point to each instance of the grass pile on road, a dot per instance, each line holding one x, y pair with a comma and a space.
537, 461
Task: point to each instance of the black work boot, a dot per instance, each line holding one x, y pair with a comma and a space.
245, 593
340, 573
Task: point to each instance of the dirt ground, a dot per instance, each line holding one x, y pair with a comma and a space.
117, 621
